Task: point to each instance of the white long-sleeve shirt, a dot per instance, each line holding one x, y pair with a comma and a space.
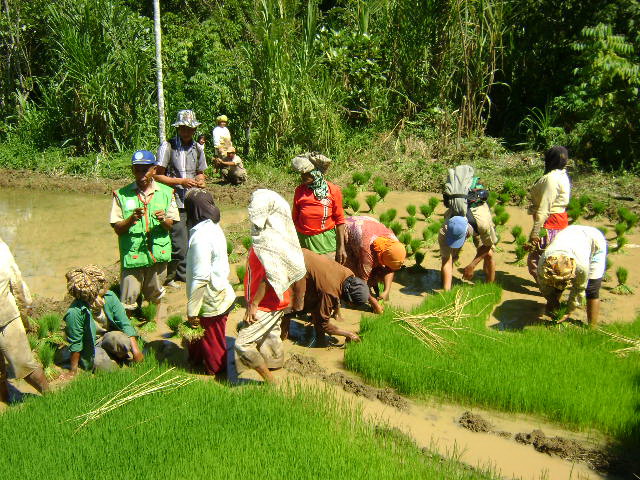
588, 247
209, 292
13, 291
221, 140
550, 194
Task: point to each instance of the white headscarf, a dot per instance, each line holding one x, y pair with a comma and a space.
275, 241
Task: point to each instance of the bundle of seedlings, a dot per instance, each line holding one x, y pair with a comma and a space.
574, 210
603, 230
419, 258
411, 210
520, 254
361, 178
621, 241
504, 198
620, 228
46, 353
559, 313
634, 343
428, 327
411, 222
229, 247
47, 329
598, 208
350, 191
381, 189
241, 270
396, 228
622, 274
501, 219
372, 200
181, 328
428, 235
246, 242
414, 246
606, 277
133, 391
516, 232
492, 199
387, 217
354, 205
405, 237
627, 216
584, 201
499, 209
433, 203
426, 211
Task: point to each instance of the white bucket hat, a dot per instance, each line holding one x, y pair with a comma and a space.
186, 118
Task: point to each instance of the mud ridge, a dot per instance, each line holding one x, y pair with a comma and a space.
308, 366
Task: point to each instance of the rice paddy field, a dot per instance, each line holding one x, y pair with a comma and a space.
567, 374
205, 430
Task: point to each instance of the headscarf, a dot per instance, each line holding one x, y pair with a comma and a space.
555, 158
319, 185
275, 241
200, 206
391, 253
355, 290
87, 284
559, 271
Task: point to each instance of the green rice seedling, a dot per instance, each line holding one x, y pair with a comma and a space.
426, 211
189, 333
358, 179
631, 220
575, 210
603, 230
419, 257
560, 312
43, 328
396, 228
241, 270
502, 219
499, 209
620, 228
149, 311
543, 233
411, 222
148, 327
405, 237
46, 354
504, 198
378, 181
372, 200
34, 342
173, 322
521, 195
381, 190
229, 247
516, 231
509, 186
53, 321
584, 201
520, 254
435, 227
316, 417
415, 245
426, 234
521, 239
622, 274
621, 241
434, 202
354, 205
623, 213
411, 210
492, 199
350, 191
246, 242
384, 219
598, 207
392, 213
609, 264
456, 374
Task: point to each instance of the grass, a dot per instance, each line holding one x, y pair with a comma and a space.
585, 386
306, 424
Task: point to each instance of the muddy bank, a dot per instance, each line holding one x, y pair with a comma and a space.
309, 367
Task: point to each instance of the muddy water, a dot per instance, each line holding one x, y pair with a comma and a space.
49, 232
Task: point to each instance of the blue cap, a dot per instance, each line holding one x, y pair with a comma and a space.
456, 231
143, 157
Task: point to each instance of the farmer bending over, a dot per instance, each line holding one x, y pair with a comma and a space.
468, 215
575, 259
97, 326
142, 215
15, 307
320, 292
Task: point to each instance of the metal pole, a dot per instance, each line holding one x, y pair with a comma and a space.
158, 37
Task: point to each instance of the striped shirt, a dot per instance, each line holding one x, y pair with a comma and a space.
181, 161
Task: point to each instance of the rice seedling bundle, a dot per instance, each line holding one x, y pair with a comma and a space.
189, 333
372, 200
631, 220
46, 354
149, 311
521, 239
229, 247
419, 257
427, 234
434, 202
148, 327
391, 214
608, 266
620, 244
396, 228
241, 270
499, 209
492, 199
415, 245
584, 201
361, 178
520, 253
381, 190
354, 205
411, 222
161, 407
378, 181
502, 219
43, 328
559, 313
405, 237
53, 321
516, 231
435, 227
622, 274
247, 242
598, 208
411, 210
33, 341
521, 195
504, 198
523, 370
621, 228
350, 191
426, 211
173, 322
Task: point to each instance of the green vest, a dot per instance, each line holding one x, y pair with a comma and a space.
146, 242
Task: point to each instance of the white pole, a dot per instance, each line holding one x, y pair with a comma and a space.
158, 37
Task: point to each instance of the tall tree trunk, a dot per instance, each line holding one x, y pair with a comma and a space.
158, 37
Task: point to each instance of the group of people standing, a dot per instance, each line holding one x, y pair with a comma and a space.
309, 258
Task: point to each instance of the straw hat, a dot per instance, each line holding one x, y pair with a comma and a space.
186, 118
222, 118
559, 271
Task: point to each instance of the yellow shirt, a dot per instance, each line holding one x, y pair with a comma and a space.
550, 194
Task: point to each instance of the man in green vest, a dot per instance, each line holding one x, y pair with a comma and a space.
142, 215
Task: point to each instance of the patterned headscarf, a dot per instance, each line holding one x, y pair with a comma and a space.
87, 284
319, 185
559, 271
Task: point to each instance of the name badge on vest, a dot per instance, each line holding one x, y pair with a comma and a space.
131, 204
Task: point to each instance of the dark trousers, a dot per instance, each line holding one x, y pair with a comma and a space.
177, 269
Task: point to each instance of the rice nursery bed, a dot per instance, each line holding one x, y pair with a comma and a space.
568, 374
206, 430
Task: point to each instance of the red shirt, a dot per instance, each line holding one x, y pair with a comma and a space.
253, 277
312, 216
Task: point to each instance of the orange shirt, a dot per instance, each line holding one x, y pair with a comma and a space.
312, 216
253, 277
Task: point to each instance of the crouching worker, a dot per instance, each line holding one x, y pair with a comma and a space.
468, 215
320, 291
15, 306
576, 259
275, 262
142, 215
97, 327
209, 293
231, 168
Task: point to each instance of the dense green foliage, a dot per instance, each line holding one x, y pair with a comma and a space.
78, 74
567, 374
205, 430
